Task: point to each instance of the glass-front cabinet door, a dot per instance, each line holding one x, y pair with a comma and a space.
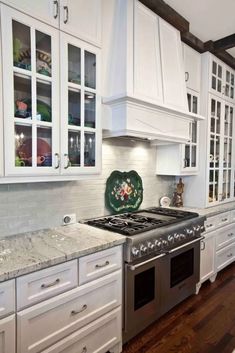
31, 95
220, 160
190, 149
80, 133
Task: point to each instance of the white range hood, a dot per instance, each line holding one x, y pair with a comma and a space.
144, 91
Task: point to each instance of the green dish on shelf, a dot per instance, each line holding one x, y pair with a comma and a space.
43, 109
124, 191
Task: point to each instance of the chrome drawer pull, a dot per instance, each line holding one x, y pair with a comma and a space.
230, 255
57, 157
224, 219
230, 234
75, 312
103, 265
66, 18
50, 284
57, 9
84, 350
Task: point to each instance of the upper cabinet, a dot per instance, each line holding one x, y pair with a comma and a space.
222, 79
192, 66
216, 156
81, 18
52, 99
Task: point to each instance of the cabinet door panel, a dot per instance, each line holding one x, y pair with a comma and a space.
147, 65
207, 266
192, 65
174, 93
31, 94
7, 335
82, 18
80, 111
44, 10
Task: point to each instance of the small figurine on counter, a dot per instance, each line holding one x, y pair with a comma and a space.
178, 194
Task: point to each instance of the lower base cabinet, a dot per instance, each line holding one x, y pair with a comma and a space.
100, 336
7, 334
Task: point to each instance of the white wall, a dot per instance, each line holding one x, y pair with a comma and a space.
33, 206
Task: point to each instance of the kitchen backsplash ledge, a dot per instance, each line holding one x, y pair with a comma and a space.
34, 206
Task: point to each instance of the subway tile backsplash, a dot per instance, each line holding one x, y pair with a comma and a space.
33, 206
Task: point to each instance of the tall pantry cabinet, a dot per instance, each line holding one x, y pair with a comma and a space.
215, 182
50, 93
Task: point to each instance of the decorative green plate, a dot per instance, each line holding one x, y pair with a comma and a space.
124, 191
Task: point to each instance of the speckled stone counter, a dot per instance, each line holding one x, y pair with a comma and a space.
28, 252
210, 211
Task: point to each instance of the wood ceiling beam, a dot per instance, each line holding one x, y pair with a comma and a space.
168, 14
225, 43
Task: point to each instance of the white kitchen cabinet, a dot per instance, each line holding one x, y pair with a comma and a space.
42, 325
80, 112
42, 136
221, 78
181, 159
215, 179
82, 19
43, 10
31, 95
1, 114
7, 298
174, 90
207, 262
101, 336
38, 286
218, 247
7, 334
192, 67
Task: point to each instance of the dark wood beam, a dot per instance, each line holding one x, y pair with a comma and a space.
192, 41
225, 57
168, 14
225, 43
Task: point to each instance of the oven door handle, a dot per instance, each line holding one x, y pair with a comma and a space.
134, 267
184, 245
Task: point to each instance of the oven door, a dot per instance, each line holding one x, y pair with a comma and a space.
142, 295
181, 273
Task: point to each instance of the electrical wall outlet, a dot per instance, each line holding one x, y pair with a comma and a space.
69, 219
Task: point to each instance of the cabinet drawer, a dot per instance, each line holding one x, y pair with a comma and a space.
7, 334
97, 337
225, 256
42, 325
225, 236
211, 223
44, 284
232, 215
99, 264
7, 297
223, 219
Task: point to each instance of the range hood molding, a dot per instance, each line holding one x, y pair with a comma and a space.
129, 116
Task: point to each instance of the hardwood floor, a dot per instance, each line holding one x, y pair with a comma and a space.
203, 323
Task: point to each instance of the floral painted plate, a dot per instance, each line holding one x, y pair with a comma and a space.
124, 191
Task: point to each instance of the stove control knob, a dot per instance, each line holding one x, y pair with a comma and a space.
170, 239
202, 229
164, 243
182, 236
135, 251
197, 229
189, 232
150, 245
158, 244
143, 249
176, 237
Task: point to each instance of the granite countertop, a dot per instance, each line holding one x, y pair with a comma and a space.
29, 252
210, 211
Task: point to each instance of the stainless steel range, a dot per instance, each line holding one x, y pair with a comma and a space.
162, 261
